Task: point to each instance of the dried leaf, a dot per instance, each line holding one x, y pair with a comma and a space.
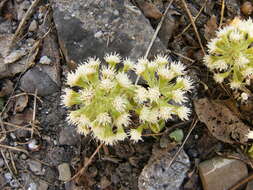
210, 28
150, 10
6, 88
21, 103
222, 123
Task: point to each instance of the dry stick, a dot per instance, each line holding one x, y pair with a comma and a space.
249, 178
180, 55
194, 26
80, 172
195, 18
13, 148
155, 35
222, 12
21, 25
25, 93
195, 121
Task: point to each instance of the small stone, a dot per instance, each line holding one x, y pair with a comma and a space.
247, 8
8, 177
23, 156
33, 145
14, 56
14, 183
158, 175
104, 183
221, 173
33, 26
35, 167
45, 60
32, 186
69, 136
98, 34
42, 185
1, 162
36, 79
249, 186
64, 172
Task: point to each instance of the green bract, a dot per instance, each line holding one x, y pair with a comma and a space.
111, 108
231, 53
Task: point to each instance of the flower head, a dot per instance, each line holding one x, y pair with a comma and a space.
154, 94
112, 58
120, 103
135, 134
178, 68
183, 112
161, 60
123, 80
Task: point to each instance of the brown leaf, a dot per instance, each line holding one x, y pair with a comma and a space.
6, 88
210, 28
222, 123
150, 10
21, 103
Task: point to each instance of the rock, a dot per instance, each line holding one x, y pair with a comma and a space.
158, 175
33, 26
249, 185
1, 162
32, 186
104, 182
33, 145
42, 185
8, 177
64, 172
96, 30
69, 136
14, 56
35, 79
221, 173
45, 60
35, 167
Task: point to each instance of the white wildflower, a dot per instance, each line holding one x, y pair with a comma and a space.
165, 73
128, 64
183, 112
235, 35
73, 118
112, 58
161, 60
139, 68
148, 115
120, 135
103, 119
107, 84
165, 112
135, 134
187, 83
224, 31
212, 48
73, 79
218, 77
123, 80
152, 65
123, 120
178, 96
83, 129
154, 94
120, 103
93, 62
221, 64
235, 84
141, 95
248, 71
86, 95
142, 61
241, 61
108, 72
244, 96
70, 97
178, 68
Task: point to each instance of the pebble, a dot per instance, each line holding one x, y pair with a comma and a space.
23, 156
69, 136
1, 162
45, 60
14, 183
247, 8
33, 26
64, 172
104, 182
33, 145
42, 185
32, 186
35, 167
8, 177
221, 173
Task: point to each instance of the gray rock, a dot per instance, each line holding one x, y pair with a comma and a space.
32, 186
64, 172
33, 26
36, 79
158, 175
45, 60
42, 185
1, 162
35, 167
69, 136
8, 177
221, 173
99, 27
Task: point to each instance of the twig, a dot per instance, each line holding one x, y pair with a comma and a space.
22, 23
194, 26
80, 172
155, 35
17, 126
195, 18
222, 12
182, 56
195, 121
25, 93
13, 148
249, 178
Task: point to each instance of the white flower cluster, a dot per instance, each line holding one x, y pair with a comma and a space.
108, 101
230, 53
